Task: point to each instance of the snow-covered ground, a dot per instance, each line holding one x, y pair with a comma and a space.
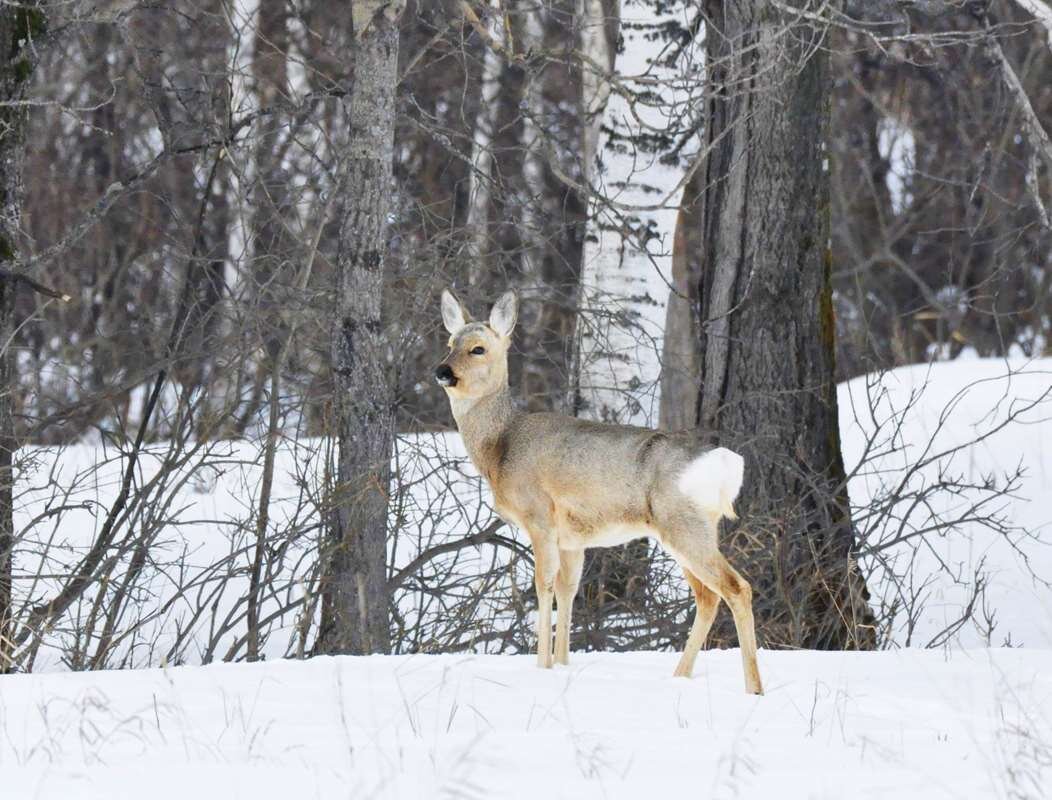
946, 722
905, 724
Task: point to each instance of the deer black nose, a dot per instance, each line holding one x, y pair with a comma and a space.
444, 375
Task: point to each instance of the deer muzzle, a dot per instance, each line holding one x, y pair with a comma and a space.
444, 375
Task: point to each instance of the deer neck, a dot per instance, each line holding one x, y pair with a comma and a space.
482, 422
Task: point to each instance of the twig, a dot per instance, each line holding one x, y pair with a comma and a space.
36, 286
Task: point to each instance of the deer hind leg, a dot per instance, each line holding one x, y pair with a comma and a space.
737, 593
707, 601
545, 570
712, 569
571, 562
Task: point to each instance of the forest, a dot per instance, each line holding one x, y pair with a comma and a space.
815, 232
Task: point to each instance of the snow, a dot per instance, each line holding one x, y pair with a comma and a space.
956, 721
925, 413
201, 523
914, 723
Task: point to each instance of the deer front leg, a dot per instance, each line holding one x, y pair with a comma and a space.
546, 567
571, 563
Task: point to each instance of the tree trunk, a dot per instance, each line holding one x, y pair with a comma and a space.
20, 29
356, 601
550, 216
767, 336
596, 389
481, 176
680, 368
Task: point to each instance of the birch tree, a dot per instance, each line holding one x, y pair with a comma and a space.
640, 68
639, 140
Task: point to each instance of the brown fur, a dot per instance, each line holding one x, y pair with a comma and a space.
571, 484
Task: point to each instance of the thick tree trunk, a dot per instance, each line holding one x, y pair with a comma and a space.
767, 336
356, 596
21, 28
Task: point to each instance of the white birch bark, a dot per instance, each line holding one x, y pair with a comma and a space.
626, 268
481, 144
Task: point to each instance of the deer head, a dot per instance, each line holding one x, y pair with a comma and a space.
477, 363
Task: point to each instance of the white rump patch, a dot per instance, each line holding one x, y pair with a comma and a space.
713, 480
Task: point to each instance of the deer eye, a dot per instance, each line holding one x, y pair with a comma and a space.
478, 351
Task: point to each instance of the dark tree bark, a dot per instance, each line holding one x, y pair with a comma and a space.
272, 199
767, 336
355, 592
552, 214
680, 356
21, 28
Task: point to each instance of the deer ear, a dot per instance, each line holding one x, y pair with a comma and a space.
505, 312
454, 317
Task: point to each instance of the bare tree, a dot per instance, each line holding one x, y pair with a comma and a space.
21, 30
356, 584
767, 338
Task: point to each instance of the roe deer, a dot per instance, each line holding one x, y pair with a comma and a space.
571, 484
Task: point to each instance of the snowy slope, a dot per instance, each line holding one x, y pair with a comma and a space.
906, 724
192, 589
925, 413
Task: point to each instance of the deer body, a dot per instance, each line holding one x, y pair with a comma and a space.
571, 484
